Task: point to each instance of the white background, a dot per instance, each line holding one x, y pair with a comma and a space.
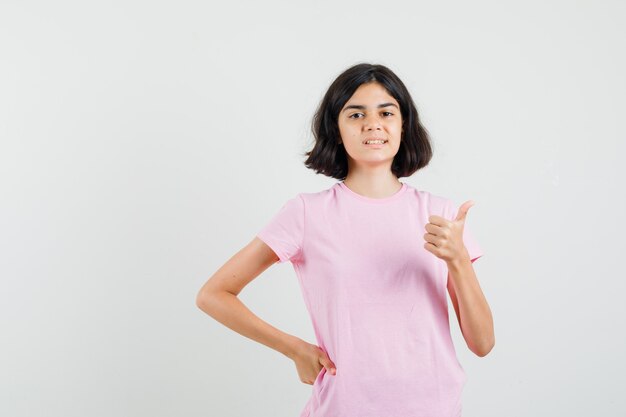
144, 143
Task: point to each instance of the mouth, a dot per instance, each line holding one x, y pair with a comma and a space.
375, 141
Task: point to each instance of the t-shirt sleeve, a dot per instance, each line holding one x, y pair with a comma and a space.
284, 233
471, 244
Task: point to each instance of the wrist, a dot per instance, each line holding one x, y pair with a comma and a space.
291, 346
459, 262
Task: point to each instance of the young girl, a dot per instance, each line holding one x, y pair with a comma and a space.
375, 259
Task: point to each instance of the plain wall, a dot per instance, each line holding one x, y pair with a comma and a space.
144, 143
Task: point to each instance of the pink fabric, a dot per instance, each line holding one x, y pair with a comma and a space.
377, 300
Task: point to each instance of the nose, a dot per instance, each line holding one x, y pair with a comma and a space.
372, 123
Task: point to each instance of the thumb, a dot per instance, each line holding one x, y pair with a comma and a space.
462, 213
328, 364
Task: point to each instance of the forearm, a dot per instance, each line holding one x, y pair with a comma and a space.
228, 309
475, 319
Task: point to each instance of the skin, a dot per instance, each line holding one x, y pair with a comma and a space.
369, 169
444, 239
218, 298
369, 174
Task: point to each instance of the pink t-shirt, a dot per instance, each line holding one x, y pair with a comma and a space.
377, 300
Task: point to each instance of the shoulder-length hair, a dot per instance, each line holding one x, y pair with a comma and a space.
329, 157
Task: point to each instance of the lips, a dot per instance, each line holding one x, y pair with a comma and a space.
386, 140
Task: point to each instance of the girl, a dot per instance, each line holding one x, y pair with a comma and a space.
374, 258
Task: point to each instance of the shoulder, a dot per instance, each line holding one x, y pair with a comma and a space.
435, 203
316, 197
299, 204
301, 199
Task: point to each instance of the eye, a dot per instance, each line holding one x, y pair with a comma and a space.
385, 113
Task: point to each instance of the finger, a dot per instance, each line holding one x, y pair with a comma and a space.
432, 239
440, 223
434, 229
462, 213
328, 364
438, 220
431, 248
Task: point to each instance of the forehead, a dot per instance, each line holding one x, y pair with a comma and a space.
371, 92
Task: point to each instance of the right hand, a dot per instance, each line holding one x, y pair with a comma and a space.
310, 360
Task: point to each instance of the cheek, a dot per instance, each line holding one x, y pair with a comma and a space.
349, 134
345, 130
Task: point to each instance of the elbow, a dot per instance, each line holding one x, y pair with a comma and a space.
206, 296
484, 349
203, 300
200, 300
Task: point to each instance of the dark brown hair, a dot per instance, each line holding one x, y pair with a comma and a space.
328, 157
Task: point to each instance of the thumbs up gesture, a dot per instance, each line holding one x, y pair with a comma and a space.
444, 238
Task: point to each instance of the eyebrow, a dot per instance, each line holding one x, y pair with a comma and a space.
361, 107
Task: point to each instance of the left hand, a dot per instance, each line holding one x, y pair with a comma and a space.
444, 238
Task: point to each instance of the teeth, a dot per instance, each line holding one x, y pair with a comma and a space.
375, 141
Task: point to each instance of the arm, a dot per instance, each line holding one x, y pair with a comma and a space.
470, 306
218, 298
